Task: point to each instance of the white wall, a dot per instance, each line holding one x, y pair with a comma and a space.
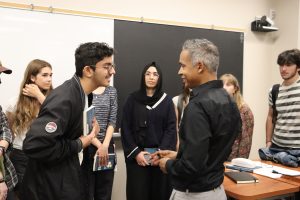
298, 18
45, 37
260, 49
288, 36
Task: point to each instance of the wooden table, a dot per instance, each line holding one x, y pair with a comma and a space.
266, 188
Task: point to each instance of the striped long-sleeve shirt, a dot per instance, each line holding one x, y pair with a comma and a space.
106, 106
287, 127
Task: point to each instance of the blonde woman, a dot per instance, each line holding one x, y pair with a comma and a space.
180, 102
36, 85
242, 145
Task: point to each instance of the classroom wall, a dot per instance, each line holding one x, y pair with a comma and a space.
261, 70
260, 49
298, 26
288, 36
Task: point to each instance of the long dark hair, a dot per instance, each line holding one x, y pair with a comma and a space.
141, 94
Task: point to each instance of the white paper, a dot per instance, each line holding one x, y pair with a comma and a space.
264, 171
285, 171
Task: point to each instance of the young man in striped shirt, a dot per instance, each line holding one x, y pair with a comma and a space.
284, 132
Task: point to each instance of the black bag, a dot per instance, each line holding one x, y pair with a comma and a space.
274, 92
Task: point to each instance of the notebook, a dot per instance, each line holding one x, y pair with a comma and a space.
241, 177
88, 116
110, 165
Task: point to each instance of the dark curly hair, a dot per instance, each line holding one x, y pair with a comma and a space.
89, 54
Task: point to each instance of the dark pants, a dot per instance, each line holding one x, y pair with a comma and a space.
103, 183
99, 184
19, 160
146, 183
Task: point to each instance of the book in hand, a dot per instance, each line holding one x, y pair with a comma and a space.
241, 177
110, 164
88, 116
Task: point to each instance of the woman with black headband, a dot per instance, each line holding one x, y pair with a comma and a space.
148, 124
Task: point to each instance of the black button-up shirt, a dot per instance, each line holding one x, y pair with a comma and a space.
209, 126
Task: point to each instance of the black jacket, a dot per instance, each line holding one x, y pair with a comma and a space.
53, 171
157, 129
209, 126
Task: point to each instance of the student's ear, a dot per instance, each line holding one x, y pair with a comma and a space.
200, 67
87, 71
32, 78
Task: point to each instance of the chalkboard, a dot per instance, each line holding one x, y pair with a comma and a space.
138, 44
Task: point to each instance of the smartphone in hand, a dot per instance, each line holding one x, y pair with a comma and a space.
151, 150
148, 158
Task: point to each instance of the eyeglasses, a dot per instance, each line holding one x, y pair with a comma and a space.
107, 66
154, 74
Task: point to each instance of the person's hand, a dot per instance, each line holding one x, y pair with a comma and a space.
166, 154
87, 139
96, 127
140, 158
102, 152
155, 159
32, 90
3, 191
268, 144
162, 164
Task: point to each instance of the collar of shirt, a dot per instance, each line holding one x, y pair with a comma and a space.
83, 99
206, 86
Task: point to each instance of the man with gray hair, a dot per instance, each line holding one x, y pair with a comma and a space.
210, 124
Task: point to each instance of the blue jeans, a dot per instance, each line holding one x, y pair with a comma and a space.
285, 156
